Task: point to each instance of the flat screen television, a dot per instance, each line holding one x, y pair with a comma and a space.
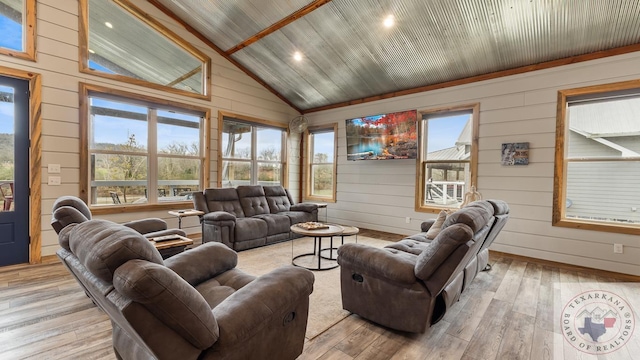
383, 137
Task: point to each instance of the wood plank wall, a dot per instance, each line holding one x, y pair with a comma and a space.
57, 62
520, 108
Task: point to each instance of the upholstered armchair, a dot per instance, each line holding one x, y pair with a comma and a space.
410, 285
70, 209
195, 305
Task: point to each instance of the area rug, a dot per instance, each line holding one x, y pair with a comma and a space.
325, 303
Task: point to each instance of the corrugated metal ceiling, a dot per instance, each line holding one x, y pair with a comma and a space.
348, 54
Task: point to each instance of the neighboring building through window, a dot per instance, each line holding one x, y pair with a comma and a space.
125, 44
320, 169
598, 168
253, 152
448, 152
17, 28
141, 152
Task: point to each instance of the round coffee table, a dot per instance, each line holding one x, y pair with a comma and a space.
318, 235
333, 251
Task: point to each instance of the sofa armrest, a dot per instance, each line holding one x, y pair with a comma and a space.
145, 226
243, 314
306, 207
203, 262
390, 264
426, 225
218, 216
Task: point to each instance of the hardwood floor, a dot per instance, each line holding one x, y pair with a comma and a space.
510, 312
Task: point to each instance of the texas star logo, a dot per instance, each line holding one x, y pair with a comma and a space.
597, 322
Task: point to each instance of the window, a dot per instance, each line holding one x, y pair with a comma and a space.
141, 150
320, 171
120, 42
448, 153
598, 158
18, 28
253, 152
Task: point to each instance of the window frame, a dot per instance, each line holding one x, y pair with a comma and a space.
561, 162
83, 49
253, 121
88, 90
29, 33
308, 162
420, 162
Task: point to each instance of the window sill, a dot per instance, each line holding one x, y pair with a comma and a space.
594, 226
131, 208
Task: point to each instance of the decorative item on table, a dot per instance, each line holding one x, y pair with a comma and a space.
312, 225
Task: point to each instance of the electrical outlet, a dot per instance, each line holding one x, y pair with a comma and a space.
54, 168
54, 180
617, 248
407, 220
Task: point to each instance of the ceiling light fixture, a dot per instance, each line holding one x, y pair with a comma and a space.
297, 56
389, 21
108, 24
91, 51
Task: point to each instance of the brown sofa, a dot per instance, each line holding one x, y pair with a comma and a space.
425, 276
195, 305
250, 216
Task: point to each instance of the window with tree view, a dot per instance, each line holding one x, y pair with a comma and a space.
321, 163
252, 153
142, 153
446, 152
599, 164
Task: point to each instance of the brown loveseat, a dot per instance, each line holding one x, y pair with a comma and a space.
195, 305
249, 216
425, 276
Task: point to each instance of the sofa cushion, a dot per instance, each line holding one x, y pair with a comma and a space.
102, 246
476, 217
436, 227
409, 246
277, 199
253, 200
170, 298
440, 248
250, 229
276, 223
224, 200
297, 217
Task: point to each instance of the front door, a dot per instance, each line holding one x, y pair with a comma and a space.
14, 171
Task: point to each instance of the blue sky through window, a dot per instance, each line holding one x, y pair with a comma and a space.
6, 113
116, 130
11, 31
444, 131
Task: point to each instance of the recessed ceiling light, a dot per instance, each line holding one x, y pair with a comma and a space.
389, 21
297, 56
108, 24
91, 51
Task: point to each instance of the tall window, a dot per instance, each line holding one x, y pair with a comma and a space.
17, 26
320, 173
140, 151
253, 152
448, 157
120, 42
598, 158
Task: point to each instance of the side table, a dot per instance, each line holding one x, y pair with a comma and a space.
184, 213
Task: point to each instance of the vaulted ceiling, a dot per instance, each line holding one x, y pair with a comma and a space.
347, 54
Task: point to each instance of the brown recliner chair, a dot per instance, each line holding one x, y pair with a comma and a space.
70, 209
410, 290
195, 305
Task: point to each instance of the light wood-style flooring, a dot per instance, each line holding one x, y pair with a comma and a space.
510, 312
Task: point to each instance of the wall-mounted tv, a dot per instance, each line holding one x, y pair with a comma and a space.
383, 137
